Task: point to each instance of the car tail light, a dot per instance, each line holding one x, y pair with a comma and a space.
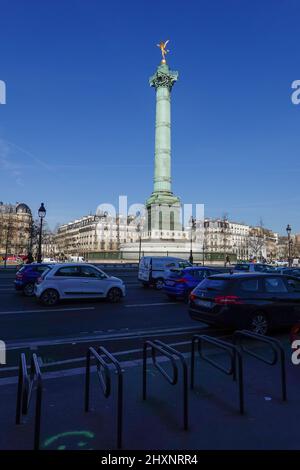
181, 280
192, 297
227, 299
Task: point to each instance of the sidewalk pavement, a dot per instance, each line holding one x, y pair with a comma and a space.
157, 423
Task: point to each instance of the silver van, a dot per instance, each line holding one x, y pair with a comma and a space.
154, 269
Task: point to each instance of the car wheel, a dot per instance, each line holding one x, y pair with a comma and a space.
114, 295
259, 323
49, 297
159, 283
29, 289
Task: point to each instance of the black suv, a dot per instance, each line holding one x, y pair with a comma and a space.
257, 302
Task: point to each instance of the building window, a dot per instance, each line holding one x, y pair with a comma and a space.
172, 220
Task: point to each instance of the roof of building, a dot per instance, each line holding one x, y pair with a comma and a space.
23, 209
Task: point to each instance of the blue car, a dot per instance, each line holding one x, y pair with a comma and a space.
27, 276
180, 282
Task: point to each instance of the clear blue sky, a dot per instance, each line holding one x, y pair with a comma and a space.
78, 126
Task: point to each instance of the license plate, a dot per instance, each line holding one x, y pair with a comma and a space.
203, 303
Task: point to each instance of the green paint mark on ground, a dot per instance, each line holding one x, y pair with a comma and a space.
82, 444
64, 435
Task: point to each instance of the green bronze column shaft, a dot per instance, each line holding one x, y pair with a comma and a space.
163, 81
162, 171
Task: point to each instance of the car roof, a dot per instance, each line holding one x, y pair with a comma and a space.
254, 264
200, 268
66, 265
229, 276
170, 258
31, 265
292, 268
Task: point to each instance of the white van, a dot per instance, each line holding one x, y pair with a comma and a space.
76, 259
154, 269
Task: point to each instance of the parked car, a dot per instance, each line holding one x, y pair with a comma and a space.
289, 271
12, 259
180, 282
27, 275
257, 302
282, 263
76, 259
254, 268
153, 270
77, 281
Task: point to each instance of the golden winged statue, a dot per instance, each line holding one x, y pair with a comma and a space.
162, 45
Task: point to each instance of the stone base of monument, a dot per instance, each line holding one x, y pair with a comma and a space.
159, 247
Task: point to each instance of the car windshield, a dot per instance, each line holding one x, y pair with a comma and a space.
242, 267
264, 268
292, 272
218, 284
184, 264
198, 273
21, 269
46, 270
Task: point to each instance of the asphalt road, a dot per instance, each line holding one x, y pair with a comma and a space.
24, 318
63, 333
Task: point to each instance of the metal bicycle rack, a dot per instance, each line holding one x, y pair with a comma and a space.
235, 360
171, 353
276, 347
25, 388
105, 381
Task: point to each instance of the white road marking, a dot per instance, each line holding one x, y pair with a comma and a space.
151, 305
16, 312
107, 337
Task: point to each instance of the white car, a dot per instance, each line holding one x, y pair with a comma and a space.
49, 260
77, 281
253, 268
153, 270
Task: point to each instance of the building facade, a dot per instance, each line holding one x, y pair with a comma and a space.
95, 234
224, 236
15, 229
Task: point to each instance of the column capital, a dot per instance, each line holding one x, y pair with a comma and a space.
163, 77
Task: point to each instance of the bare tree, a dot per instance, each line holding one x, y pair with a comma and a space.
257, 240
47, 238
8, 234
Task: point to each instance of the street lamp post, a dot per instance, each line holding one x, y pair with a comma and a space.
193, 227
288, 231
42, 213
138, 229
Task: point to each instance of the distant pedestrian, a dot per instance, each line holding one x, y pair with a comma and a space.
29, 258
227, 260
